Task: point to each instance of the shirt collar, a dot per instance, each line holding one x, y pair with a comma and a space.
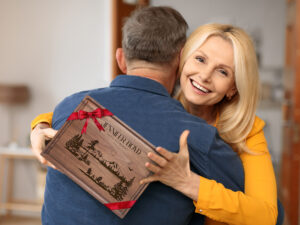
139, 83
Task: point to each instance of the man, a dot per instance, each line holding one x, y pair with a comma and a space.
152, 40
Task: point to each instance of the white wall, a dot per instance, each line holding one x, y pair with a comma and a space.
56, 47
266, 16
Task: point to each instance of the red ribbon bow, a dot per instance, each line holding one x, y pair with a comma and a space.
97, 113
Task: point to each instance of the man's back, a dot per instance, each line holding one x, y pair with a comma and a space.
146, 107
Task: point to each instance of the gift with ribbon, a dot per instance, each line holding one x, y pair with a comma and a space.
107, 160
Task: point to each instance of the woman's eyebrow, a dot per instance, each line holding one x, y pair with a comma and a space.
199, 51
224, 65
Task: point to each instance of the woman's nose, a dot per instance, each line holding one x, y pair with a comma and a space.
205, 75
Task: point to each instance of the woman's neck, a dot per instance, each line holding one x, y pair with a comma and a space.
208, 113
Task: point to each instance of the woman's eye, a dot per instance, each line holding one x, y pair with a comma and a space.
224, 72
200, 59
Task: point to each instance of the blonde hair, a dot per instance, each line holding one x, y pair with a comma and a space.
236, 116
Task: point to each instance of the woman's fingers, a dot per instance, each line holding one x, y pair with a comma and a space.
148, 180
152, 168
165, 153
49, 133
183, 143
170, 168
38, 136
159, 160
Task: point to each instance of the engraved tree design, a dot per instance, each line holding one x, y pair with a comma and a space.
74, 144
91, 145
91, 148
119, 190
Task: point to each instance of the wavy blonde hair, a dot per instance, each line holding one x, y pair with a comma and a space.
236, 116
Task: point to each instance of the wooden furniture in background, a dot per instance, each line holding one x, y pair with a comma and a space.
12, 96
8, 203
120, 10
290, 175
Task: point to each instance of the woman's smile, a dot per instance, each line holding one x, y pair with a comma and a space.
199, 89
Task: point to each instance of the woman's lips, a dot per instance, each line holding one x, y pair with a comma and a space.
199, 88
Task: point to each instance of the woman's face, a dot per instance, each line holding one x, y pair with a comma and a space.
208, 74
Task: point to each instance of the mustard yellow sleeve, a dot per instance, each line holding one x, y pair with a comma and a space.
42, 118
258, 205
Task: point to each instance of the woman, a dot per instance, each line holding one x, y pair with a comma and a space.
219, 83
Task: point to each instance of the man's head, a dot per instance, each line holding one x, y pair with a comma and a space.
154, 34
152, 40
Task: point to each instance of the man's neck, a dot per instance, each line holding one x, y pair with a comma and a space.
162, 74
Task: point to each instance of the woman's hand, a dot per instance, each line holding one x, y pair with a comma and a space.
38, 136
173, 169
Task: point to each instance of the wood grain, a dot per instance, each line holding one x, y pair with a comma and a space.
108, 164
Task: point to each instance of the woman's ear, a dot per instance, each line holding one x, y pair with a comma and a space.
120, 57
231, 92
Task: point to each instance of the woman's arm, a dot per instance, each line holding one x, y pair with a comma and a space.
257, 206
259, 203
42, 118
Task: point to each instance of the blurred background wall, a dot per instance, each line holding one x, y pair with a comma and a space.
55, 47
263, 19
58, 47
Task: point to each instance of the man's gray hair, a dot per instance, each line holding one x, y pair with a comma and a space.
154, 34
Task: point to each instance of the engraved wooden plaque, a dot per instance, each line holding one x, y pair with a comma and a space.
107, 163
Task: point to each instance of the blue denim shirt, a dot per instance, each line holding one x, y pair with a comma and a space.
147, 107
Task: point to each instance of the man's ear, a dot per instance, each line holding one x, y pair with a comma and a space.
179, 72
181, 52
120, 57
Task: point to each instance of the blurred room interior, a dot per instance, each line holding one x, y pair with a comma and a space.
53, 48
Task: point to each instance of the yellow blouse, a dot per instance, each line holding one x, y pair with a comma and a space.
42, 118
258, 205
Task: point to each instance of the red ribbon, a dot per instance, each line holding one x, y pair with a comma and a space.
97, 113
120, 205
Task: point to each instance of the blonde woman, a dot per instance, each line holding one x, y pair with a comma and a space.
219, 83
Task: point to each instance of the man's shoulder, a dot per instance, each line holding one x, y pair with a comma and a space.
68, 105
78, 96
